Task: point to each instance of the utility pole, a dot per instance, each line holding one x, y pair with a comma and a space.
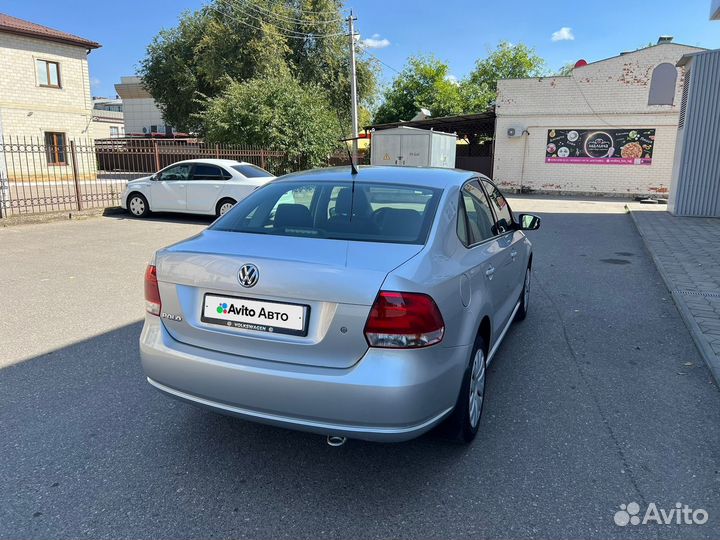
353, 89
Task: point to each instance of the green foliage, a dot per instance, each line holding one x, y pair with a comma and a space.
275, 112
423, 83
566, 70
236, 40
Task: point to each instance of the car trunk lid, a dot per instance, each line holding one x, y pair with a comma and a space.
333, 281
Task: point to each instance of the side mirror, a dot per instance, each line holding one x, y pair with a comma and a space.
528, 222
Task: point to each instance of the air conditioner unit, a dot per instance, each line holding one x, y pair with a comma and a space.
516, 131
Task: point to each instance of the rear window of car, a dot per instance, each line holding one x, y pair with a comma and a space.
251, 171
362, 211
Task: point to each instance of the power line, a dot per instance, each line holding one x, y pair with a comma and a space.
383, 63
286, 18
285, 32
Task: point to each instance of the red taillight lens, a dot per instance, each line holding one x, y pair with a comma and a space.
404, 320
152, 292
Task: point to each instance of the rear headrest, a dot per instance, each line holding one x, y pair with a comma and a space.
346, 199
293, 215
401, 222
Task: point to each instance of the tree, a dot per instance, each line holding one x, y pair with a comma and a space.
275, 112
239, 40
507, 61
566, 69
423, 83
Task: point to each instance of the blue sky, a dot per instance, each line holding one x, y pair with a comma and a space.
457, 31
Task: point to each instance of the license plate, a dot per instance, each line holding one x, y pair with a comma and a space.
259, 315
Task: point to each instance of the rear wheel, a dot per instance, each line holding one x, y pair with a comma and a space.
464, 421
137, 205
223, 206
524, 298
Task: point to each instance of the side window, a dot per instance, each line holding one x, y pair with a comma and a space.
207, 172
501, 208
480, 219
176, 172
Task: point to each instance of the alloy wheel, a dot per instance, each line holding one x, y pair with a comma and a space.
477, 388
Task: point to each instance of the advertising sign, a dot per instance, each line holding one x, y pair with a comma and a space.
625, 146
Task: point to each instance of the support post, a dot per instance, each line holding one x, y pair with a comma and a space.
353, 89
76, 180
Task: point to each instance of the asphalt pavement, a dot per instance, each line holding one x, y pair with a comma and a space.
599, 398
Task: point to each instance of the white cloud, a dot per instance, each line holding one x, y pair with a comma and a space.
564, 34
375, 42
95, 81
452, 78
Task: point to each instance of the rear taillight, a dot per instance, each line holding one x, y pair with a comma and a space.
404, 320
152, 292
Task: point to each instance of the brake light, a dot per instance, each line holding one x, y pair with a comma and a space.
152, 292
404, 320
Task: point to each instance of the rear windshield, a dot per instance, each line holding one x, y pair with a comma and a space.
251, 171
363, 211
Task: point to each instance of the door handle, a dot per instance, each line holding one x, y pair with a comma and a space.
513, 254
490, 272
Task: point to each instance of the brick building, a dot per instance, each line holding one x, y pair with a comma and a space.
44, 80
607, 128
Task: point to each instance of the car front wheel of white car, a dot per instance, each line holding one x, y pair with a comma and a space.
224, 206
138, 205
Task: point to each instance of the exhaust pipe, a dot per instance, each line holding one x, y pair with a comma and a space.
336, 440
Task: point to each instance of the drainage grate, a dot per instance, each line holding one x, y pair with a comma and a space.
697, 293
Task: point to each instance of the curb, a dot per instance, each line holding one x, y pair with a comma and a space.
49, 217
711, 359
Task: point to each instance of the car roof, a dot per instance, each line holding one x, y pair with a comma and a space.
214, 161
436, 177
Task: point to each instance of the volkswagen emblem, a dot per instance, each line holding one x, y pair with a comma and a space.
248, 275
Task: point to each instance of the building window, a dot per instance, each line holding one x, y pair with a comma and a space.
114, 131
662, 85
55, 148
48, 73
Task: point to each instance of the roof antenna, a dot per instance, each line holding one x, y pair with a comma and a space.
353, 167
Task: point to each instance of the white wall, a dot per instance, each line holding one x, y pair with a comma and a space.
612, 93
142, 113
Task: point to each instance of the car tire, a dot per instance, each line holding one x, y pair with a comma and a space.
524, 297
464, 422
138, 205
223, 206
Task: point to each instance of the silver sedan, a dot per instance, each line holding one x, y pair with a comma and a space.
353, 305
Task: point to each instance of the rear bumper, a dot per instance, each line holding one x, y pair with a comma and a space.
387, 396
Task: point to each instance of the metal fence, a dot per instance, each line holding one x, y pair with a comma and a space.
45, 175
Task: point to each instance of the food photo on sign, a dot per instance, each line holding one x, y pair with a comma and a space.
600, 146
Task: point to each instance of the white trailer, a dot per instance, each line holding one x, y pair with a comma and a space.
413, 147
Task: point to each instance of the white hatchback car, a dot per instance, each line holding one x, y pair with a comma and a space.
195, 186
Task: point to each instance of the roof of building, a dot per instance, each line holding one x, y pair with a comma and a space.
463, 125
131, 88
686, 57
21, 27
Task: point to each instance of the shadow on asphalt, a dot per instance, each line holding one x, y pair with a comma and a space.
165, 217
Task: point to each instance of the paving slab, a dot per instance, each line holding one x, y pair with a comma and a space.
686, 251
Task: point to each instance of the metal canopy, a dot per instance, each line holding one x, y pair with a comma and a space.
465, 125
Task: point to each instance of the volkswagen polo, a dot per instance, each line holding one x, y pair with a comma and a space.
360, 305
